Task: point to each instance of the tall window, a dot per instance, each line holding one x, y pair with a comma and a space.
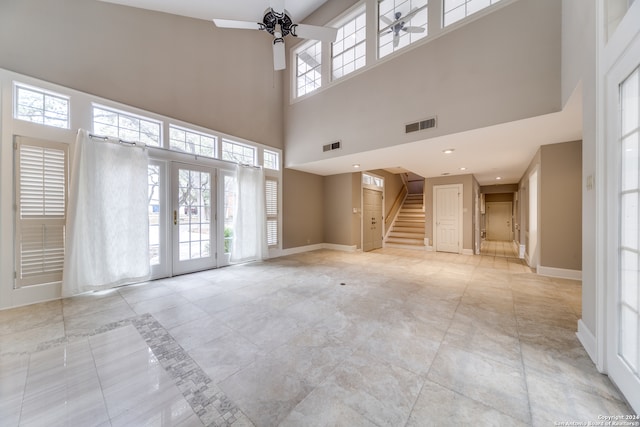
349, 50
126, 126
629, 287
41, 194
189, 141
239, 153
455, 10
41, 106
308, 69
401, 22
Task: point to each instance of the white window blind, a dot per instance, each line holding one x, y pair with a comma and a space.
271, 194
41, 181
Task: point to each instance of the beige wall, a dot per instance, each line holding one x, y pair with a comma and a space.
338, 200
493, 70
175, 66
467, 182
303, 206
561, 206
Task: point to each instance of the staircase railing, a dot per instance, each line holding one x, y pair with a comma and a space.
395, 208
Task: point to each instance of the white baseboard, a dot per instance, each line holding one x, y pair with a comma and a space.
522, 251
588, 341
344, 248
561, 273
429, 248
309, 248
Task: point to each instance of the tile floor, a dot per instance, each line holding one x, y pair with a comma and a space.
498, 248
412, 338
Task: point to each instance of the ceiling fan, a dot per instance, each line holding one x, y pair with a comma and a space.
278, 23
399, 24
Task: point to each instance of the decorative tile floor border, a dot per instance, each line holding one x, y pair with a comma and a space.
211, 404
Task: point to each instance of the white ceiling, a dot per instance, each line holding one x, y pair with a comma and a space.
243, 10
503, 150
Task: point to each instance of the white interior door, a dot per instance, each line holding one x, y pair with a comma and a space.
371, 219
498, 221
447, 209
193, 218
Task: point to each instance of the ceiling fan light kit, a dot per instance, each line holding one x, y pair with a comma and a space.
278, 23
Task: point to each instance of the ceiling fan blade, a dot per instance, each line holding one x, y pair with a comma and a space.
396, 40
313, 32
386, 20
277, 5
244, 25
279, 61
413, 29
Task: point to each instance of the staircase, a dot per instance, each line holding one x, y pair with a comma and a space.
408, 229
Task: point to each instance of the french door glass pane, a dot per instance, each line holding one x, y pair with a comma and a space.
229, 210
630, 158
628, 292
194, 212
154, 214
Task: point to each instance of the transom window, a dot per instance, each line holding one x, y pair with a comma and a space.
308, 69
189, 141
126, 126
271, 160
401, 22
455, 10
372, 180
239, 153
349, 49
41, 106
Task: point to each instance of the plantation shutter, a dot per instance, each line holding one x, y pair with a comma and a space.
271, 193
41, 192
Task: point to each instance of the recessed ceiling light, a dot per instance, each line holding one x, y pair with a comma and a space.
463, 169
356, 165
498, 178
449, 150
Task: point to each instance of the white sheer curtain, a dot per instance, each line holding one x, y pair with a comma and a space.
107, 233
250, 219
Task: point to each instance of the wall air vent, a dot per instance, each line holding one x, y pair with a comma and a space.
420, 125
332, 146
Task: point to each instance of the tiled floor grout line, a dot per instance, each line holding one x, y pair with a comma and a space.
524, 367
208, 402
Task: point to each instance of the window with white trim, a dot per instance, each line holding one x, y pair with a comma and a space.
40, 198
126, 126
188, 141
40, 106
271, 160
400, 23
271, 195
308, 68
350, 48
455, 10
239, 153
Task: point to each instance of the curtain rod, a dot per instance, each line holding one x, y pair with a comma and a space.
135, 144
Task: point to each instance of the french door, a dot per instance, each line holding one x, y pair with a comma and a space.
623, 293
193, 225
